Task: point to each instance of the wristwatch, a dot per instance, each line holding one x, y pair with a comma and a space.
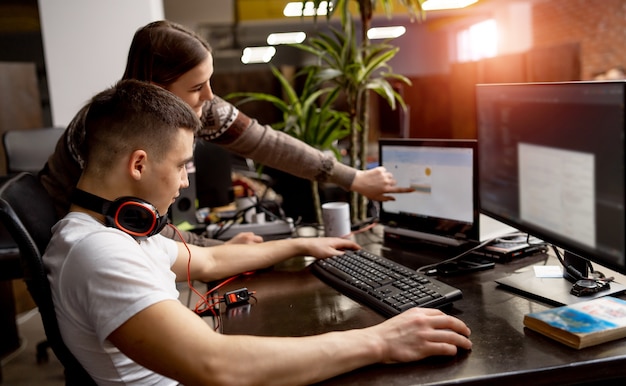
586, 287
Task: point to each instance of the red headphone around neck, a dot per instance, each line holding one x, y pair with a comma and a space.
132, 215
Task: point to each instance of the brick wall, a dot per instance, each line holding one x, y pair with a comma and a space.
598, 26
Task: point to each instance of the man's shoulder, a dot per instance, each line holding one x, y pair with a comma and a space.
77, 223
79, 231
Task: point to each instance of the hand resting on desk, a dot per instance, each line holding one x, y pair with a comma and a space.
325, 247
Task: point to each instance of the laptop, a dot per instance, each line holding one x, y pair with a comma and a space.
444, 208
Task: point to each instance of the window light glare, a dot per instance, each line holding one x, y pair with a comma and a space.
478, 41
294, 9
434, 5
257, 55
385, 32
285, 38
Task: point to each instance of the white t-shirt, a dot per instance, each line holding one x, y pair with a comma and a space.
100, 277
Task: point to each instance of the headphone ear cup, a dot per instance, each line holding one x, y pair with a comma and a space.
136, 217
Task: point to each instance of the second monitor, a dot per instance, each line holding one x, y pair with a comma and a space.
552, 163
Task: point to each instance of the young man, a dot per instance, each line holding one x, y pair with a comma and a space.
113, 276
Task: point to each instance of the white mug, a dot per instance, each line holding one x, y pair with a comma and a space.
336, 216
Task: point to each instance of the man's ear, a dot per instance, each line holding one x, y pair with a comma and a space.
137, 163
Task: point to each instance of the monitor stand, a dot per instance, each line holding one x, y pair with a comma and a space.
554, 290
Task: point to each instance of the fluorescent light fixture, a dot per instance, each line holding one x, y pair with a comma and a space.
285, 38
434, 5
257, 54
294, 9
386, 32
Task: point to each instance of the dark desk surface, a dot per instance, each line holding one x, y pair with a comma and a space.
294, 302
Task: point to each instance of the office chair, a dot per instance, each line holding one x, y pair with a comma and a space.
10, 270
25, 150
27, 212
28, 150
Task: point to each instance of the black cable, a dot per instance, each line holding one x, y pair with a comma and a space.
435, 265
233, 220
258, 206
272, 214
576, 274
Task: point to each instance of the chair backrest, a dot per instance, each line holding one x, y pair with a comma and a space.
28, 150
27, 212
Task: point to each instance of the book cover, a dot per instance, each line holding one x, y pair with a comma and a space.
582, 324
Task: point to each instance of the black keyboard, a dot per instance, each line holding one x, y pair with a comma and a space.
382, 284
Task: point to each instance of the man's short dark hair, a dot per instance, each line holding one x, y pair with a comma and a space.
132, 115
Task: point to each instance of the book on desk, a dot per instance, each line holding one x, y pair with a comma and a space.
583, 324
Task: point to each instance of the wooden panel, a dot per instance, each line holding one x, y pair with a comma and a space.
21, 102
554, 64
463, 80
391, 123
502, 69
262, 81
429, 101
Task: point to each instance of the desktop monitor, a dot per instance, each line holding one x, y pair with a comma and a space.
213, 177
552, 164
443, 209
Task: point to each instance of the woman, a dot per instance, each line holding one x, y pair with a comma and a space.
177, 59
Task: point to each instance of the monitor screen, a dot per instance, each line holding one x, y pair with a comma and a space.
444, 206
551, 161
213, 180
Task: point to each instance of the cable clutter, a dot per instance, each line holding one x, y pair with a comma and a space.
253, 214
208, 303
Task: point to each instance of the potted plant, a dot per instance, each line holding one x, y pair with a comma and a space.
343, 68
357, 69
307, 114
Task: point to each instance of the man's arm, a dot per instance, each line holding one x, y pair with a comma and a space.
222, 261
171, 340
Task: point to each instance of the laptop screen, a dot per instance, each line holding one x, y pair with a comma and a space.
444, 206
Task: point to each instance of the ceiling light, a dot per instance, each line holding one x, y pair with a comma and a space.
434, 5
294, 9
257, 55
385, 32
285, 38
